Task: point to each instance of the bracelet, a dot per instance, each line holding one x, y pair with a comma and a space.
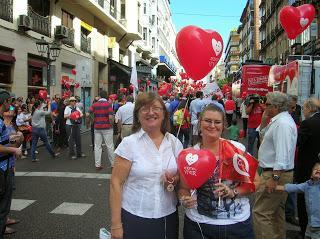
115, 228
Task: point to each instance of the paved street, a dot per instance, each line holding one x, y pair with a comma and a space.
65, 199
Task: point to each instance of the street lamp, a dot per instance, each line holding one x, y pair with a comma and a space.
52, 51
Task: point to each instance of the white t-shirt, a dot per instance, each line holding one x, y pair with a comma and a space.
67, 111
144, 194
230, 212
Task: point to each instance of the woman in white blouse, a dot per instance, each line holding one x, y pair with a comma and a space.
142, 197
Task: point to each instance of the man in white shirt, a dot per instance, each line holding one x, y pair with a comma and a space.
124, 117
276, 158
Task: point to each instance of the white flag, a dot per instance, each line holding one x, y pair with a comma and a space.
134, 77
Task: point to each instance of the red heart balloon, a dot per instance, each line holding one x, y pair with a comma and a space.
196, 166
75, 115
73, 71
295, 20
43, 94
242, 133
198, 50
148, 82
76, 85
113, 96
67, 85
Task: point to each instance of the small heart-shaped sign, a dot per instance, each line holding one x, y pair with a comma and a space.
304, 22
191, 158
216, 46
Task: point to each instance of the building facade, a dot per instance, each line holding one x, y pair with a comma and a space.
98, 40
249, 31
232, 54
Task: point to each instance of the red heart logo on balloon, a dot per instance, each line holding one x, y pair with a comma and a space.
295, 20
196, 166
198, 50
43, 94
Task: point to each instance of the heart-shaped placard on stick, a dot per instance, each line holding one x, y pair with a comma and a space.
196, 166
198, 50
295, 20
43, 94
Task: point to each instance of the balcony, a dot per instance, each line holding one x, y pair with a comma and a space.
40, 23
70, 39
6, 10
85, 44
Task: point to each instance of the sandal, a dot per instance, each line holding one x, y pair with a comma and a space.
11, 221
9, 231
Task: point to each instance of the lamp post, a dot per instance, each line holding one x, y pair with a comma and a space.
51, 51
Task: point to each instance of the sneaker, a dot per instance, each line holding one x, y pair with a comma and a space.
25, 153
56, 154
73, 157
99, 168
81, 155
36, 152
35, 160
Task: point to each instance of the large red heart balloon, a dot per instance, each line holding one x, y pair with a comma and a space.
196, 166
198, 50
113, 96
295, 20
43, 94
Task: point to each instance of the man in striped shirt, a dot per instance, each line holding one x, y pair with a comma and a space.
103, 131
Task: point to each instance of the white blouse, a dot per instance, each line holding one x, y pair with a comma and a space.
144, 194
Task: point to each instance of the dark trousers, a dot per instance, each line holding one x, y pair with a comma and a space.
245, 125
92, 135
74, 137
5, 200
135, 227
243, 230
302, 213
42, 134
229, 119
252, 135
184, 133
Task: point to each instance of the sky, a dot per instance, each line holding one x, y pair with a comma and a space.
219, 15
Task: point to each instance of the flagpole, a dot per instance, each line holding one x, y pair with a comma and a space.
220, 170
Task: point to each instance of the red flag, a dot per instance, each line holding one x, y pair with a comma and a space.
237, 165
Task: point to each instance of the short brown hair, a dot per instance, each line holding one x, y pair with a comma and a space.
147, 98
213, 108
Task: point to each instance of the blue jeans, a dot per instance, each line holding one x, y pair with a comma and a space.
252, 135
36, 134
243, 230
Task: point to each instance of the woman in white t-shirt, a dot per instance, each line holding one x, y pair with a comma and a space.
207, 216
142, 197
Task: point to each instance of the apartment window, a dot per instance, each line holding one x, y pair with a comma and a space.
153, 18
123, 10
144, 8
40, 7
67, 19
153, 43
145, 33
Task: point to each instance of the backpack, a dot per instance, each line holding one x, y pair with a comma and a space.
78, 121
178, 118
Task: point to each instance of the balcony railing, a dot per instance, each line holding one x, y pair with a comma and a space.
6, 12
70, 39
113, 11
85, 44
40, 23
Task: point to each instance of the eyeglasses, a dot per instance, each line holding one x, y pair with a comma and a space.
268, 104
154, 109
208, 122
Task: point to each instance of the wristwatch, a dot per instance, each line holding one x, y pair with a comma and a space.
275, 177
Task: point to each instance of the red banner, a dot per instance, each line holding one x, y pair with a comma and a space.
255, 79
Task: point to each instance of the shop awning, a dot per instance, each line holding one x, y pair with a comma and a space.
7, 58
116, 65
144, 62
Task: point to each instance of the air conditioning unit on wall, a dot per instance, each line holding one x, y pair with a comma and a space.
61, 32
24, 23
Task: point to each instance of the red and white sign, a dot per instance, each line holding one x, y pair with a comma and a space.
255, 79
287, 73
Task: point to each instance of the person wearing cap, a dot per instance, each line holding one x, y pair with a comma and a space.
7, 154
73, 129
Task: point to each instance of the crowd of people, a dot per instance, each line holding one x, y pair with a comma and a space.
144, 137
